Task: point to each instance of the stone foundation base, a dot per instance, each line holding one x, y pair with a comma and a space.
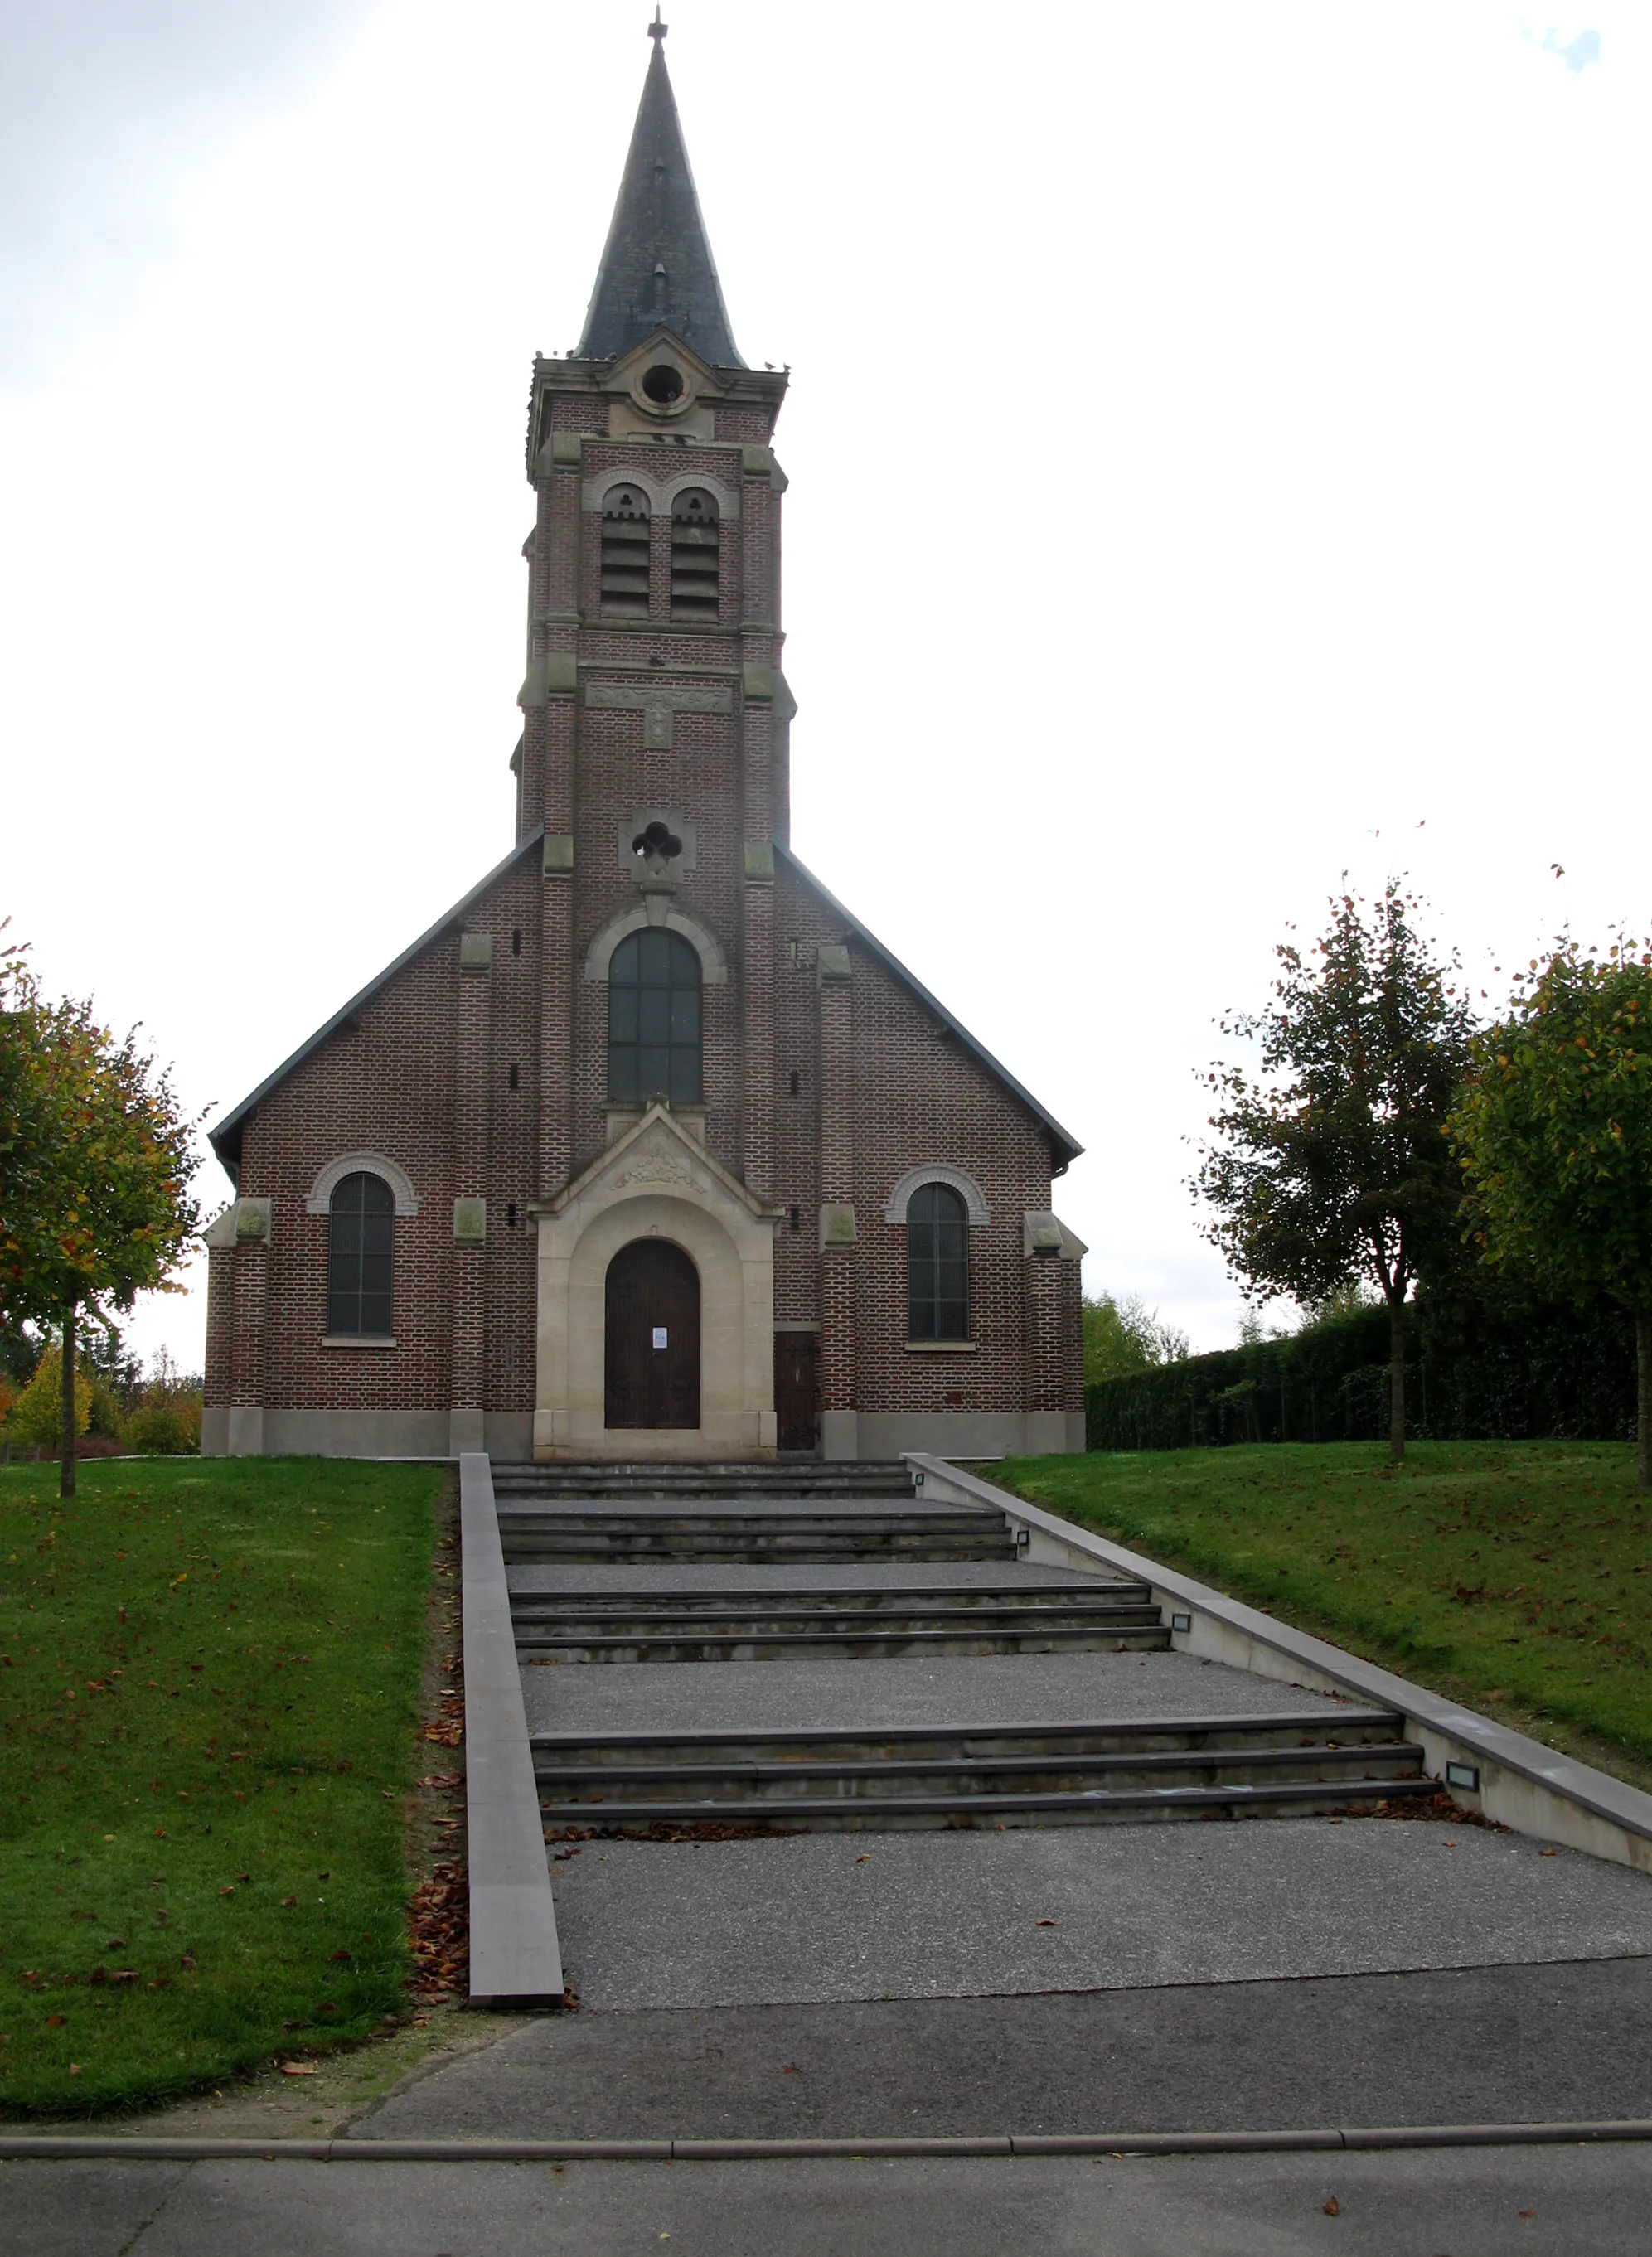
245, 1431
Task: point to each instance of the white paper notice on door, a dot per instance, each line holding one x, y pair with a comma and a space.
659, 1335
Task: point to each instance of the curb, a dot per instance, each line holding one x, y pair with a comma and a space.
68, 2146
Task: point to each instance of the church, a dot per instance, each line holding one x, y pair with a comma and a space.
648, 1149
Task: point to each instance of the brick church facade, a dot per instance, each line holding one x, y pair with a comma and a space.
647, 1147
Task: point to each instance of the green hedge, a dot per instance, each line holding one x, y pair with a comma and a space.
1550, 1373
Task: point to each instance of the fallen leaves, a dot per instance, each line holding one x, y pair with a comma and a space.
438, 1922
298, 2069
1333, 2208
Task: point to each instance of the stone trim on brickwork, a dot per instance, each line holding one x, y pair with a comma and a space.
714, 963
938, 1171
319, 1198
661, 492
1043, 1232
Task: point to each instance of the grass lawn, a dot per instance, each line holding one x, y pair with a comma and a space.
209, 1682
1516, 1576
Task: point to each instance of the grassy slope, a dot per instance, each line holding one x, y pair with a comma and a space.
1509, 1574
207, 1706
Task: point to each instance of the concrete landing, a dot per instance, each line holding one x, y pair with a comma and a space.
842, 1916
839, 1695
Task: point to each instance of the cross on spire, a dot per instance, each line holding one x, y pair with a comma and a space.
657, 30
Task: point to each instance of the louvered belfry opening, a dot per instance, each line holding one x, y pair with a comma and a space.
624, 553
695, 553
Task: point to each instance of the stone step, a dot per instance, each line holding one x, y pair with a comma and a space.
532, 1625
726, 1785
1011, 1775
901, 1814
847, 1518
804, 1479
1337, 1729
637, 1602
889, 1642
794, 1540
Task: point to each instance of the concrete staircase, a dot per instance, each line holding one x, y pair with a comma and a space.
624, 1562
805, 1515
776, 1625
792, 1782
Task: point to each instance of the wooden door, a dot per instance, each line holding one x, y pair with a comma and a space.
653, 1337
797, 1391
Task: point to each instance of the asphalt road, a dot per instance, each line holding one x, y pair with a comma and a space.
1552, 2201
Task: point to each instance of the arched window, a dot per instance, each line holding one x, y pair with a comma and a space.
654, 1019
624, 553
695, 549
937, 1264
360, 1225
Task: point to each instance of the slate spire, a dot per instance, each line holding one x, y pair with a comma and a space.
657, 270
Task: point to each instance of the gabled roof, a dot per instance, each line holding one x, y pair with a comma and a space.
657, 271
225, 1139
1066, 1148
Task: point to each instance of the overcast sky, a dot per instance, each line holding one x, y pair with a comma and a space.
1255, 396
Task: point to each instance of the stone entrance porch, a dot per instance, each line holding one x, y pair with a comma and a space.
656, 1181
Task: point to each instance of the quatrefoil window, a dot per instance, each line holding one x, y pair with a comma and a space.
659, 845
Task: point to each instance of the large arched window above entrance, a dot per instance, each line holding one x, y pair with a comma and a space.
361, 1217
654, 1019
937, 1264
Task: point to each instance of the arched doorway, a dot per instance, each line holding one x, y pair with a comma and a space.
652, 1337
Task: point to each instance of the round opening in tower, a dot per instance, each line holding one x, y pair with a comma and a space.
663, 384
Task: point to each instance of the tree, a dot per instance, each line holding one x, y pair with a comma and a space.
94, 1168
37, 1416
1332, 1167
1122, 1336
1554, 1136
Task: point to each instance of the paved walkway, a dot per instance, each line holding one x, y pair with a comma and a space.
1151, 1977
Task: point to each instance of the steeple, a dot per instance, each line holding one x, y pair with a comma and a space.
657, 270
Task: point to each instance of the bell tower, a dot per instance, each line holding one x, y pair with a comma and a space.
654, 752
